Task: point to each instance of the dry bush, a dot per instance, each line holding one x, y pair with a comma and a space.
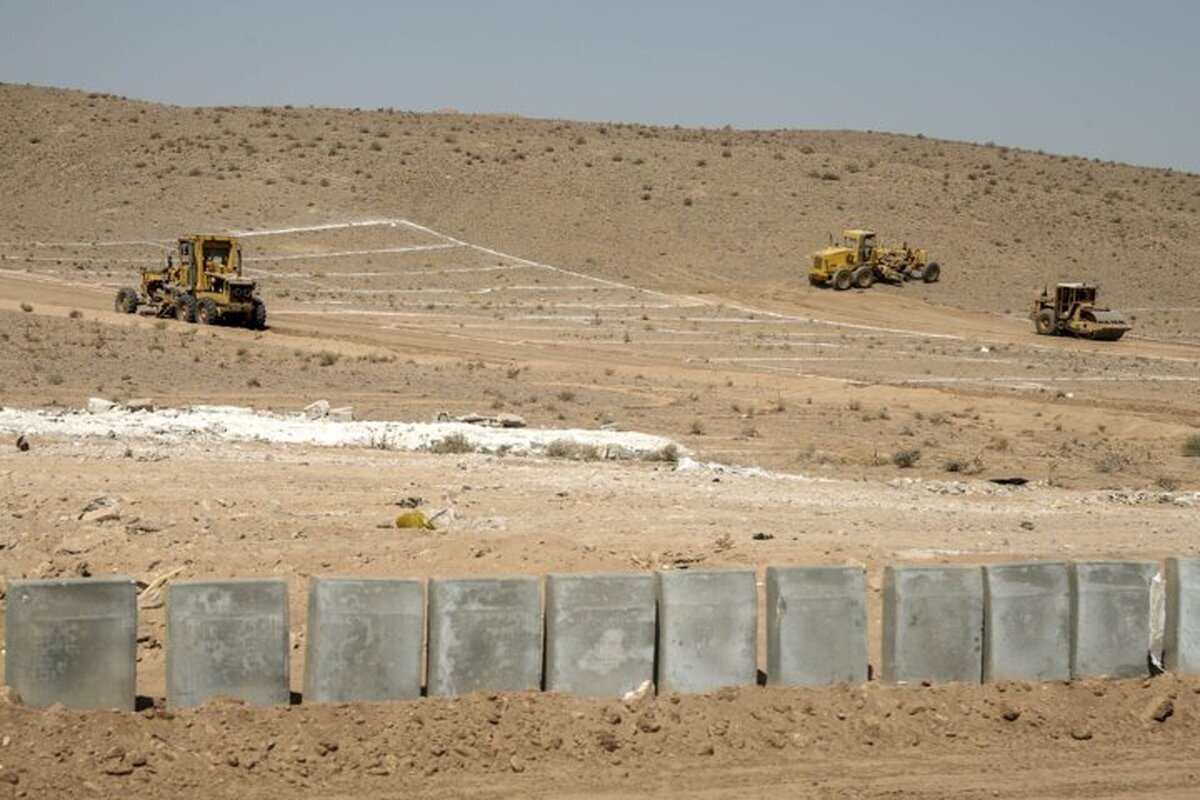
906, 458
574, 451
668, 453
1191, 445
452, 443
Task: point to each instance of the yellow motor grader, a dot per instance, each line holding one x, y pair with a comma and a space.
860, 261
1072, 311
200, 282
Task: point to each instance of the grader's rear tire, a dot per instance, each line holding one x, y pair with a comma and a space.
843, 279
931, 272
206, 312
1044, 322
185, 308
126, 301
864, 277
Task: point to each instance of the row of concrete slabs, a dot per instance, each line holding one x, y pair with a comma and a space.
378, 639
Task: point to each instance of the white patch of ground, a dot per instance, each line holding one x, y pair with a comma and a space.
235, 423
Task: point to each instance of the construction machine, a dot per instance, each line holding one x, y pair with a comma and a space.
861, 260
1072, 311
201, 281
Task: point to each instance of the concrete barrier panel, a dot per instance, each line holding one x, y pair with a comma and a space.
227, 638
599, 633
1181, 642
707, 630
364, 640
816, 625
72, 641
484, 633
932, 624
1111, 618
1027, 621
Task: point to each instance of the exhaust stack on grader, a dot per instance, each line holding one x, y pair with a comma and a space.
200, 282
861, 260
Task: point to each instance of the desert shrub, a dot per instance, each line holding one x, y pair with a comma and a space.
696, 428
452, 443
668, 453
1168, 483
1111, 461
26, 307
1191, 445
575, 451
327, 359
906, 458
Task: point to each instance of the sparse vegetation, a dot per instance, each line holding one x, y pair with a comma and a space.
1191, 446
668, 453
574, 451
450, 444
906, 458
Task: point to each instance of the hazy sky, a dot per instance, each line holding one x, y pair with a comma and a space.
1107, 79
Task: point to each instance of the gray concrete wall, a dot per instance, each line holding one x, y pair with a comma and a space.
816, 625
484, 633
1111, 618
364, 640
227, 638
72, 641
707, 630
932, 624
1181, 639
1027, 621
599, 633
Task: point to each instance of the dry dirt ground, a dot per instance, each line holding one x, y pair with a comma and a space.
414, 264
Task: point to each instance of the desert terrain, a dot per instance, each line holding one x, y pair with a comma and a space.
591, 278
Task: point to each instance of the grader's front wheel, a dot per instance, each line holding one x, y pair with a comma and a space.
126, 301
258, 316
1044, 322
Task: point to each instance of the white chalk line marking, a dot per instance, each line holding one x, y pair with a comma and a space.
453, 241
415, 248
419, 273
165, 244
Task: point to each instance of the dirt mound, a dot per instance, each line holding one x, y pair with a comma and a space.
730, 742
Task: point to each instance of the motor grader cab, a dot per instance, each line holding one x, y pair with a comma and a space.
1072, 311
860, 261
201, 281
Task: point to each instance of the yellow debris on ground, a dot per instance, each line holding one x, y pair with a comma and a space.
415, 519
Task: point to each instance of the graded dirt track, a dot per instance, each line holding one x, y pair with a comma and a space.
877, 421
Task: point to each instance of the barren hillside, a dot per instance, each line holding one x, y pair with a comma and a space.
685, 210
